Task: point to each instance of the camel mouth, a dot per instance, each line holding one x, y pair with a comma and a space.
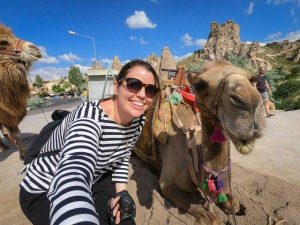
30, 56
243, 146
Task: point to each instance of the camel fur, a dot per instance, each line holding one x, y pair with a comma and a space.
16, 57
239, 113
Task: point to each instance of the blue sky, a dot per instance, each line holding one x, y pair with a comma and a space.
135, 28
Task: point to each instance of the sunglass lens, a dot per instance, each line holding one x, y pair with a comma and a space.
134, 85
151, 91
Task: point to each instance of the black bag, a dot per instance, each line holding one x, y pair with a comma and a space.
35, 148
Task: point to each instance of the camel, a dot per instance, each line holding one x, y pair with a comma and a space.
16, 57
230, 109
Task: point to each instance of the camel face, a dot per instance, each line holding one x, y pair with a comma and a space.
242, 113
238, 106
16, 49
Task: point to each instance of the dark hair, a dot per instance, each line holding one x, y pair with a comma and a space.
137, 62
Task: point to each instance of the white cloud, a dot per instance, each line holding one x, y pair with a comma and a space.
49, 73
250, 8
140, 39
46, 58
262, 43
280, 2
139, 20
143, 42
274, 36
132, 38
187, 39
83, 69
292, 12
70, 57
292, 36
200, 42
178, 58
53, 73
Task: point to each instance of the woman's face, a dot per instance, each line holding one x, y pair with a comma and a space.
132, 105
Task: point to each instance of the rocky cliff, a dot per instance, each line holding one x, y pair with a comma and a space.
224, 41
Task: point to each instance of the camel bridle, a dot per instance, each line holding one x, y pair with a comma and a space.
14, 53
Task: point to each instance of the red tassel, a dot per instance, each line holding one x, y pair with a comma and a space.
217, 136
212, 186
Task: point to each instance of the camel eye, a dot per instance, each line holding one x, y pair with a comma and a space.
4, 42
237, 101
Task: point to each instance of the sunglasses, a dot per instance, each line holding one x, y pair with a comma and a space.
135, 85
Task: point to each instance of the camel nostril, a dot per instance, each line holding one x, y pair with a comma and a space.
255, 126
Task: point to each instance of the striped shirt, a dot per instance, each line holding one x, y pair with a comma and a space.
89, 144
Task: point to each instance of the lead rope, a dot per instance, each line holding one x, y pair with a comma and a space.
229, 179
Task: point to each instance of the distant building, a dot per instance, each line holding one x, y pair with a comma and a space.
100, 83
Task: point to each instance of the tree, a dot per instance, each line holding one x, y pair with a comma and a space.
66, 85
57, 88
75, 77
38, 81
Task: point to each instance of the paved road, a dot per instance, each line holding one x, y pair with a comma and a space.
61, 103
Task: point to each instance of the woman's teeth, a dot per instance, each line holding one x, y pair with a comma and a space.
138, 103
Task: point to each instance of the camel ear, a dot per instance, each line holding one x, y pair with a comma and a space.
199, 86
191, 77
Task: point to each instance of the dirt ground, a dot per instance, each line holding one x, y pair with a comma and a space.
267, 182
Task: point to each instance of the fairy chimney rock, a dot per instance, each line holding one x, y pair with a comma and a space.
223, 40
167, 62
154, 60
97, 66
116, 65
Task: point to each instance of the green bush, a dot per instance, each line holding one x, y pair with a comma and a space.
289, 104
287, 95
277, 74
195, 67
289, 88
239, 61
43, 94
35, 102
295, 72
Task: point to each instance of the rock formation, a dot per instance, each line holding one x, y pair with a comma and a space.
223, 40
116, 65
167, 62
96, 66
154, 60
297, 58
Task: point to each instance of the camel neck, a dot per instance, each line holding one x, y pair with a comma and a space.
214, 155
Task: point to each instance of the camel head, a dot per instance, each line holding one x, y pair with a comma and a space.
16, 49
227, 99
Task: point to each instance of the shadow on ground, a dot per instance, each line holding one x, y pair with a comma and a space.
27, 139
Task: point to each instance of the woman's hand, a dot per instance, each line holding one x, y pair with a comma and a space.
114, 205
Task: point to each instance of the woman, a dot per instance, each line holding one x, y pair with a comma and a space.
85, 161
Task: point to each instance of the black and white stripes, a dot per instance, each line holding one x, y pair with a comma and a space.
90, 144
